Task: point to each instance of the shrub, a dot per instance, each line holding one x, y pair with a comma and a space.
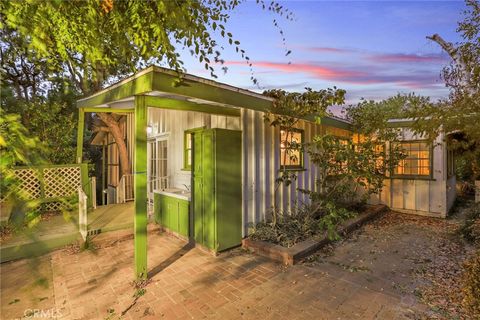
471, 285
302, 223
470, 230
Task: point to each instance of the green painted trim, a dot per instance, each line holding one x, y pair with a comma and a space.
81, 125
124, 89
187, 167
332, 122
108, 110
159, 79
104, 180
140, 185
48, 166
184, 105
204, 90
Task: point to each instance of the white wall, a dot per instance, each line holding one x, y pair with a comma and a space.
172, 124
425, 197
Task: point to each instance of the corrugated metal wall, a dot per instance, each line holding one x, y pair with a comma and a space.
261, 165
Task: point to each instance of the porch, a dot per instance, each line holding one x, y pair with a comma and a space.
158, 113
58, 231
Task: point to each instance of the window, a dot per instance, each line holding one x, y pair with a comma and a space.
291, 152
418, 159
187, 154
157, 169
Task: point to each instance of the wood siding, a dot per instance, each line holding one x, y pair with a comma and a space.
171, 124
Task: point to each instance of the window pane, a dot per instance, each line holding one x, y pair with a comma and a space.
290, 148
417, 161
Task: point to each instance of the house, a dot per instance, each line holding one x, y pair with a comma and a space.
204, 156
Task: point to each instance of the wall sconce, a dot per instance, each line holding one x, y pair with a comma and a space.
149, 130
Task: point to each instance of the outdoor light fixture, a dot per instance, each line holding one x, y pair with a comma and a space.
149, 129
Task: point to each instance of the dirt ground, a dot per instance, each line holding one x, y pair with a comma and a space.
417, 259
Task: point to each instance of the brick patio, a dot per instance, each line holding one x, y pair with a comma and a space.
188, 283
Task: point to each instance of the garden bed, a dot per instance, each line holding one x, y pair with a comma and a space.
301, 250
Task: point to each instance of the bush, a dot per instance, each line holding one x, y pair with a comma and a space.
470, 231
471, 285
300, 224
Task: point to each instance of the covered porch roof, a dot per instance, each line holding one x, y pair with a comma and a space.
161, 88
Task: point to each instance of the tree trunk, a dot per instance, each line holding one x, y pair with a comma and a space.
114, 129
453, 52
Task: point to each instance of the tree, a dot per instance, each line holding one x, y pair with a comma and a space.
44, 100
370, 118
461, 111
17, 147
92, 42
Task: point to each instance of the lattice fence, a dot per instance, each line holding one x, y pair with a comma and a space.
51, 184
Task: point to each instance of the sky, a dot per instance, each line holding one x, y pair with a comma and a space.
372, 49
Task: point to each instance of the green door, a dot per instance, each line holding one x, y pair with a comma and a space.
217, 194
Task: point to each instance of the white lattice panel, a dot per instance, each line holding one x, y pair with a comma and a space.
52, 206
29, 182
61, 181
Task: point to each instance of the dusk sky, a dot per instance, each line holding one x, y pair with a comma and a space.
373, 49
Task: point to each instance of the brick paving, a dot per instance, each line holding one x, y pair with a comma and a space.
187, 283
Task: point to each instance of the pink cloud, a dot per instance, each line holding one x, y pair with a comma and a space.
367, 76
320, 72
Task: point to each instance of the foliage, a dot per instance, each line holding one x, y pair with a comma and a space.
45, 102
471, 285
347, 169
370, 117
53, 123
461, 111
17, 148
300, 224
470, 230
93, 40
92, 43
288, 108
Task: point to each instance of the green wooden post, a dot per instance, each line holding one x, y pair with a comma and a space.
140, 184
81, 125
104, 161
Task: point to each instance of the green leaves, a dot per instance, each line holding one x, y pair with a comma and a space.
111, 38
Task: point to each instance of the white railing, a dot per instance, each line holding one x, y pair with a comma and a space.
93, 188
82, 213
125, 191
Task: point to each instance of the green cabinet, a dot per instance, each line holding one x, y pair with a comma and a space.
217, 188
172, 213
